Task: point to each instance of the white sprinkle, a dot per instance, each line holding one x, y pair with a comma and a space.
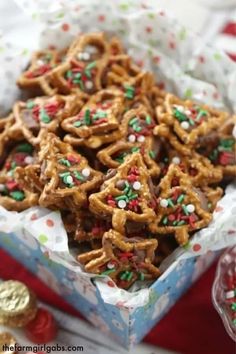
69, 179
229, 294
132, 138
80, 56
190, 208
2, 187
136, 185
184, 125
180, 108
176, 160
110, 265
29, 160
164, 203
122, 204
234, 132
188, 112
88, 85
141, 138
10, 173
86, 56
86, 172
40, 62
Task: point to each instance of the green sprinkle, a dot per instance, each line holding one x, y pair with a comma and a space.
123, 275
18, 195
129, 276
77, 76
77, 124
133, 121
165, 221
44, 116
170, 203
25, 147
69, 74
141, 276
191, 121
87, 118
148, 120
233, 306
135, 149
91, 65
64, 174
65, 181
99, 114
121, 197
133, 196
65, 162
234, 321
88, 73
13, 165
81, 84
78, 176
201, 113
107, 272
181, 222
185, 209
175, 223
179, 115
181, 198
137, 128
30, 104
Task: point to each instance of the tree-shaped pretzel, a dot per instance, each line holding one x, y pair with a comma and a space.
126, 196
14, 195
67, 174
137, 132
125, 260
188, 120
43, 113
181, 207
85, 62
98, 122
38, 74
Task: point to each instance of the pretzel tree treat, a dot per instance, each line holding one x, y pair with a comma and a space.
137, 131
126, 196
181, 208
199, 168
67, 174
38, 74
98, 121
83, 67
125, 260
7, 133
220, 148
43, 113
13, 195
189, 120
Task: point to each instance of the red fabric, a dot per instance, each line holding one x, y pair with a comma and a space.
191, 327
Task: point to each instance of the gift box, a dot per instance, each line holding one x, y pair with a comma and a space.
182, 65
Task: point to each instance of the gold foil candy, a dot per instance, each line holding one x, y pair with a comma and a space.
6, 342
14, 298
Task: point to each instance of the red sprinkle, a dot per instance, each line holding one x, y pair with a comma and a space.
11, 185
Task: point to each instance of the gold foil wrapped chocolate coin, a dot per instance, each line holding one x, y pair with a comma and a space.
18, 305
14, 298
6, 342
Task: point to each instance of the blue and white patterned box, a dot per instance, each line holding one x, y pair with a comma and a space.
128, 325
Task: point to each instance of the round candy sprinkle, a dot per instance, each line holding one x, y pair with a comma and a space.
86, 56
137, 185
164, 203
190, 208
121, 204
188, 112
86, 172
176, 160
110, 265
2, 187
89, 85
69, 179
180, 108
40, 62
132, 138
229, 294
185, 125
29, 160
141, 139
